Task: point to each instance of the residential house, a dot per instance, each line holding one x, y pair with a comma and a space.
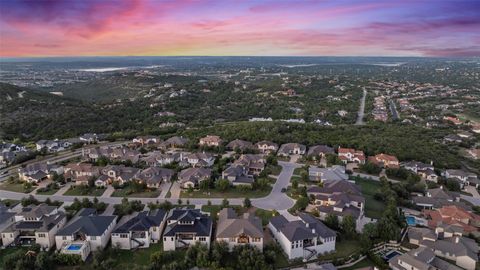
340, 198
155, 176
7, 218
238, 175
385, 161
253, 163
53, 146
437, 198
333, 173
453, 215
200, 159
35, 224
80, 173
238, 231
36, 172
351, 155
240, 145
122, 154
450, 245
84, 233
191, 177
146, 140
120, 174
292, 149
267, 147
319, 151
453, 138
304, 237
186, 227
211, 141
463, 177
175, 142
139, 230
157, 158
422, 258
425, 171
89, 138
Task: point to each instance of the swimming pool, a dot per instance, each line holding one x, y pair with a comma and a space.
392, 254
411, 221
74, 247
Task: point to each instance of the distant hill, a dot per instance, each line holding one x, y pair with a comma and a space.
118, 86
33, 113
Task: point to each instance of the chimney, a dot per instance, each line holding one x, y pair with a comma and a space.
457, 239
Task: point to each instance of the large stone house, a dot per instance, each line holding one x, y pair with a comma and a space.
211, 141
267, 147
37, 172
292, 149
191, 177
235, 230
350, 155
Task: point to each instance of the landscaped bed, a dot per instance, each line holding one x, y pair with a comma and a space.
145, 194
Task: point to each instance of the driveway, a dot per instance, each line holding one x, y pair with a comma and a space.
277, 200
472, 190
164, 187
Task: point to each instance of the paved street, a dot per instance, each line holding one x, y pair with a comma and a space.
361, 110
276, 199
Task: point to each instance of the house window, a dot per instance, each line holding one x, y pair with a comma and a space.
202, 239
123, 235
64, 238
93, 238
154, 229
41, 235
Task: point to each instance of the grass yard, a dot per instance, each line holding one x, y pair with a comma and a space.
16, 187
230, 193
50, 191
298, 171
274, 169
145, 194
343, 249
214, 209
84, 191
126, 259
373, 208
8, 251
265, 215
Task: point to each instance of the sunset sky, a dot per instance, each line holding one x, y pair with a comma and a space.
234, 27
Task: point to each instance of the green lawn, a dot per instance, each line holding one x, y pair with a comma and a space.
298, 171
127, 259
230, 193
7, 251
83, 191
274, 169
214, 209
373, 208
343, 249
48, 192
16, 187
145, 194
265, 215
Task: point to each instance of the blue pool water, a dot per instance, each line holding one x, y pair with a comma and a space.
411, 220
74, 247
391, 255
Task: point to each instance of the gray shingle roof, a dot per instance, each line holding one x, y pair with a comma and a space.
89, 225
202, 225
143, 221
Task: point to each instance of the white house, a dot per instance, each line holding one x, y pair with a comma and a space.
139, 230
186, 227
303, 238
86, 232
